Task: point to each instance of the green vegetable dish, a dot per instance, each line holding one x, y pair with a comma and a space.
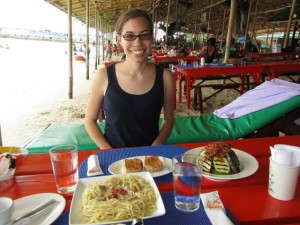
219, 158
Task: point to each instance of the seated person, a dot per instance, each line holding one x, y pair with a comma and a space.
233, 50
172, 52
184, 51
166, 47
210, 50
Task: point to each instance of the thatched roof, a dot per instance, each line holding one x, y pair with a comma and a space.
194, 13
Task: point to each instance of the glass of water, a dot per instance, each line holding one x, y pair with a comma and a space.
187, 177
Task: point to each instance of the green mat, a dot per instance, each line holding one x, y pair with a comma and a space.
202, 128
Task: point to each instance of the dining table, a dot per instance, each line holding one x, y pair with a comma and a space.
282, 55
188, 58
191, 74
246, 198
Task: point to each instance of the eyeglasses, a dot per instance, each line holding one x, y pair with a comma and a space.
132, 37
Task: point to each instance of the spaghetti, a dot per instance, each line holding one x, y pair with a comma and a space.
118, 198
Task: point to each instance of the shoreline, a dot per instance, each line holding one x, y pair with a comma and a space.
32, 105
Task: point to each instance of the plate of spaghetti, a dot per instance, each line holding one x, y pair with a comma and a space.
115, 199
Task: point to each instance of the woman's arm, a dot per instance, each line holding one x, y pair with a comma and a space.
168, 109
95, 100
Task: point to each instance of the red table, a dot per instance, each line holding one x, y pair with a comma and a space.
282, 55
189, 59
191, 74
247, 198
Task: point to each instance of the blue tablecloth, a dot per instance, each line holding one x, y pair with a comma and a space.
172, 216
106, 158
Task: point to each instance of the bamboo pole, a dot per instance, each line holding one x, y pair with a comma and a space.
223, 28
218, 30
0, 136
102, 37
87, 60
70, 49
208, 28
167, 28
247, 24
287, 35
271, 44
253, 26
97, 36
230, 29
155, 12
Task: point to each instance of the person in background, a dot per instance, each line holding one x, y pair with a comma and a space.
166, 47
115, 49
108, 50
209, 50
185, 50
85, 49
233, 50
134, 92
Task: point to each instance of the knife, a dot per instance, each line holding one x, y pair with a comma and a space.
33, 212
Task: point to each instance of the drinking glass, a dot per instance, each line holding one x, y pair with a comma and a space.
64, 160
187, 176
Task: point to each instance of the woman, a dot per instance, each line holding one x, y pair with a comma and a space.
133, 92
210, 51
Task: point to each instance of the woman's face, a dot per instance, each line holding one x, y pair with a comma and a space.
137, 50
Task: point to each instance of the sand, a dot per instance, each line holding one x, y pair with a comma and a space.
64, 111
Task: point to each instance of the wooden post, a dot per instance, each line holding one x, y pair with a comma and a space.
247, 25
208, 28
253, 26
87, 57
169, 6
0, 136
271, 44
223, 28
155, 19
70, 39
230, 29
97, 37
102, 37
287, 35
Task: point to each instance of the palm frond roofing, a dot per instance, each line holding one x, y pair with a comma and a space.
195, 13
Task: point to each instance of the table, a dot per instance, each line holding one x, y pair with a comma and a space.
191, 74
247, 198
159, 59
282, 55
108, 63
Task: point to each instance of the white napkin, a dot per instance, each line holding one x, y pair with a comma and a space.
214, 209
7, 166
287, 155
93, 166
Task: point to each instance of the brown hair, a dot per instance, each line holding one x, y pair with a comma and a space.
131, 14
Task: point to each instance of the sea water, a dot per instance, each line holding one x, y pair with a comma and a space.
34, 76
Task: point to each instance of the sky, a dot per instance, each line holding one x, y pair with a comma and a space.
36, 14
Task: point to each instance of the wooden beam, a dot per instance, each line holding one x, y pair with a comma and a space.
70, 49
230, 29
287, 34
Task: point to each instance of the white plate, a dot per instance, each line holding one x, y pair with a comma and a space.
119, 168
248, 164
22, 205
76, 216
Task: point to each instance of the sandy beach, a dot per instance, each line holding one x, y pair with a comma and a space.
28, 119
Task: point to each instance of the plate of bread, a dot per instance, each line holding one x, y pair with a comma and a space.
156, 165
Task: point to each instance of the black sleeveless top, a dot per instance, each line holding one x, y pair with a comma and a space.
132, 120
208, 58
